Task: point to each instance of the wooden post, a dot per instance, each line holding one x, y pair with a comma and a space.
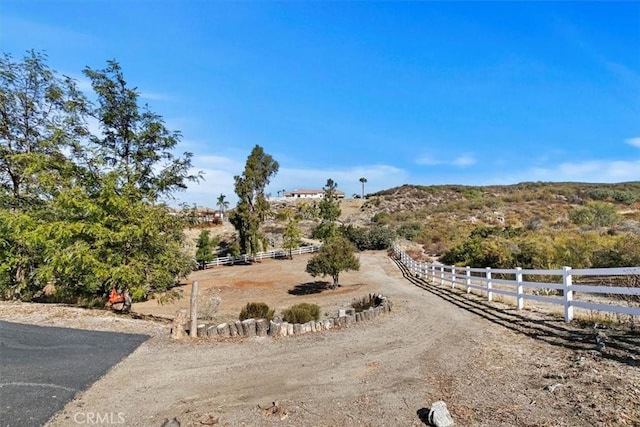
193, 329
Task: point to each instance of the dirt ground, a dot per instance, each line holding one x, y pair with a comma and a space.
491, 364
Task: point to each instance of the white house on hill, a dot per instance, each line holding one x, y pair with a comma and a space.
310, 194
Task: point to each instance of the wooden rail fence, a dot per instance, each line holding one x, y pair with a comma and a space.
484, 279
276, 253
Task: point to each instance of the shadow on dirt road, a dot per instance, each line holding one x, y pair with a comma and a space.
621, 345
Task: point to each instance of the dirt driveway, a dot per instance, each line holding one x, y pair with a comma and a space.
491, 367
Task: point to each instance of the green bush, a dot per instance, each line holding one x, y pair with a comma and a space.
382, 218
301, 313
256, 310
377, 237
595, 214
410, 231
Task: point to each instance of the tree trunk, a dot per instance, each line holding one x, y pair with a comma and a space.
335, 281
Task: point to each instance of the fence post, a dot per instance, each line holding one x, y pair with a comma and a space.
468, 279
442, 274
567, 283
453, 276
489, 293
519, 297
193, 328
433, 274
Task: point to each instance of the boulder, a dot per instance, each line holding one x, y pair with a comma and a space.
233, 331
249, 327
439, 415
223, 330
239, 327
261, 327
177, 329
202, 330
212, 330
274, 328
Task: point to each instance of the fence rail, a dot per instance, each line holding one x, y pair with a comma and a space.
483, 280
276, 253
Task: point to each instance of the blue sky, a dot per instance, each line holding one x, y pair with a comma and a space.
425, 93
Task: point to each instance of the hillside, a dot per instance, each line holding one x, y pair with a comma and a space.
439, 218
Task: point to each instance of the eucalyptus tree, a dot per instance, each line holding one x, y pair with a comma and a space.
253, 207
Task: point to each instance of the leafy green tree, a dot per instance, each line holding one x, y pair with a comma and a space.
334, 257
291, 236
135, 145
253, 207
21, 252
306, 211
329, 212
41, 117
96, 221
204, 248
104, 239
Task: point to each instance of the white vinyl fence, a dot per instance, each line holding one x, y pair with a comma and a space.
484, 280
276, 253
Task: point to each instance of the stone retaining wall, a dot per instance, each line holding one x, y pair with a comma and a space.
262, 327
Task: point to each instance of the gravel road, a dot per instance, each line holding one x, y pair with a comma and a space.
380, 373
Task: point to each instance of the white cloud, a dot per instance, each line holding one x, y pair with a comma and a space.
220, 170
464, 160
634, 142
588, 171
155, 96
379, 177
428, 161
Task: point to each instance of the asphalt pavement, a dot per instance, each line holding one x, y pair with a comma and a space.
43, 368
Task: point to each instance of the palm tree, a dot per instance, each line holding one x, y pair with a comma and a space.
363, 180
222, 204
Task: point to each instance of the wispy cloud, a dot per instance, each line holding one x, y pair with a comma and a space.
634, 142
461, 161
427, 160
219, 172
464, 160
588, 171
33, 33
155, 96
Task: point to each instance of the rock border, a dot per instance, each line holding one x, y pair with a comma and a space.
262, 328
